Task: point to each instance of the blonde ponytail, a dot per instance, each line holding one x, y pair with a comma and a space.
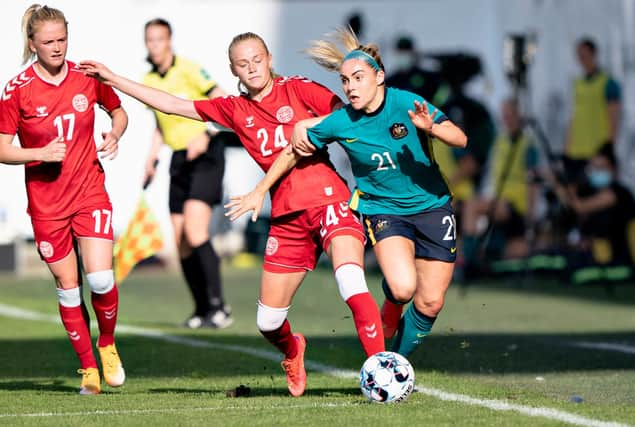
327, 54
33, 16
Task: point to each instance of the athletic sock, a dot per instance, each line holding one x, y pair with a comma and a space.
283, 339
367, 322
195, 281
106, 306
210, 267
413, 328
79, 334
391, 307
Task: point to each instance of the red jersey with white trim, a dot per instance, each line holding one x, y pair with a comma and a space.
39, 111
265, 128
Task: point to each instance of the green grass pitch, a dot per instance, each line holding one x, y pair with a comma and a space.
501, 354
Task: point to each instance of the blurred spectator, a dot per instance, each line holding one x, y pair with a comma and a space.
512, 167
596, 111
605, 211
464, 167
408, 75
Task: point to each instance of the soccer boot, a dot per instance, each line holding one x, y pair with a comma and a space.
219, 319
91, 383
390, 316
114, 375
294, 368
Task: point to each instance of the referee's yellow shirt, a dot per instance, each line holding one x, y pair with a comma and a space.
187, 80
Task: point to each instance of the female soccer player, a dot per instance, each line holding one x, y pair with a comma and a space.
50, 106
400, 190
309, 205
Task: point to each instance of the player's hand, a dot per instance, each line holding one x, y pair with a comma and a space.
97, 70
197, 146
421, 117
109, 148
300, 141
54, 151
239, 205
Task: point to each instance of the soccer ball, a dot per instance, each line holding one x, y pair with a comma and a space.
387, 377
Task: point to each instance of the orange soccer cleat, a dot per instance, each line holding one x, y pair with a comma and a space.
294, 368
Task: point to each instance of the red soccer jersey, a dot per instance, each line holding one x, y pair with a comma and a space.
39, 111
265, 128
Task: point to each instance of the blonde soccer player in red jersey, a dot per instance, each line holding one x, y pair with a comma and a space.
50, 106
309, 205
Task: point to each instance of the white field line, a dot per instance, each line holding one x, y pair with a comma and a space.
621, 348
496, 405
177, 410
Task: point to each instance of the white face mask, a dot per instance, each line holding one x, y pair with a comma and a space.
403, 61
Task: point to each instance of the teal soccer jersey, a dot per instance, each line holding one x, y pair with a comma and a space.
391, 159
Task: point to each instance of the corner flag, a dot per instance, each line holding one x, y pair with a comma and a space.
141, 240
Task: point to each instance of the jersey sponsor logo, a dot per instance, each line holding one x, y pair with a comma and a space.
80, 103
41, 111
16, 82
328, 191
46, 249
284, 114
398, 130
272, 246
350, 140
250, 121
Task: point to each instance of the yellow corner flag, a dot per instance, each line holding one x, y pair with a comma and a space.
141, 240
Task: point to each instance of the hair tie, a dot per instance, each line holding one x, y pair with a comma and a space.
360, 54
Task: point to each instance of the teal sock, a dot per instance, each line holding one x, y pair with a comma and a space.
414, 326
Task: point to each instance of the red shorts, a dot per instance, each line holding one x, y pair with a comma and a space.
296, 240
54, 238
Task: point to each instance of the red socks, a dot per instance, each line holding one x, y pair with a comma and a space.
283, 339
79, 334
367, 322
105, 306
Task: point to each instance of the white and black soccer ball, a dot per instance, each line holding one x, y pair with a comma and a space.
387, 377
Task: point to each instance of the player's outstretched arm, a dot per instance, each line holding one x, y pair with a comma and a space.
239, 205
447, 132
10, 154
155, 98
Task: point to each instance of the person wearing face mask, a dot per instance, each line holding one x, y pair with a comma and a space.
596, 111
605, 209
408, 75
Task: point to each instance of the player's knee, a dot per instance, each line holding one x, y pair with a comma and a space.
350, 280
270, 318
69, 297
429, 307
101, 282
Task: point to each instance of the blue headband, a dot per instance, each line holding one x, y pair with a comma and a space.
360, 54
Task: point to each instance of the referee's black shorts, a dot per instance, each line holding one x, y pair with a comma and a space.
199, 179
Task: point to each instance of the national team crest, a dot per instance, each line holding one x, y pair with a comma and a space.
272, 246
284, 114
46, 249
80, 103
398, 130
381, 225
